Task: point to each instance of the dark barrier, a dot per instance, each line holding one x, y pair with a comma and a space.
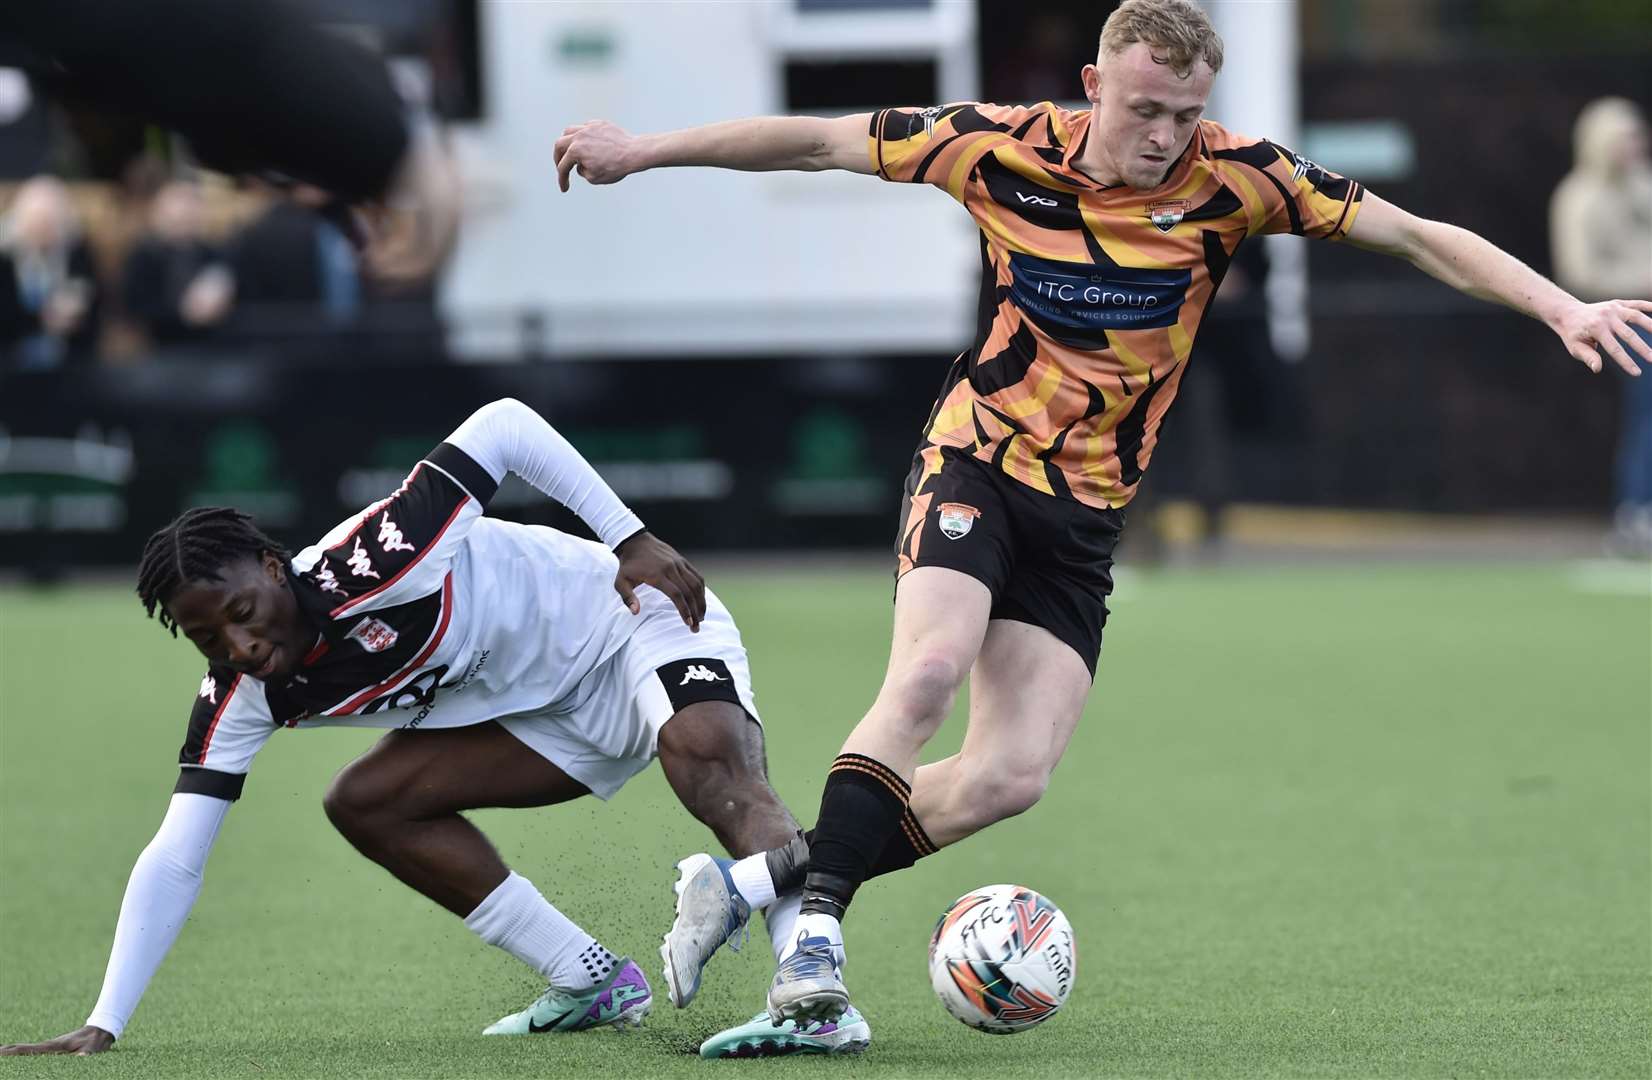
773, 452
711, 453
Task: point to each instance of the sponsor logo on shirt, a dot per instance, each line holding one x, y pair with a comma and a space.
1077, 303
471, 672
419, 693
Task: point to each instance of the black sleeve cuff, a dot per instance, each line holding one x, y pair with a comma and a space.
463, 468
219, 785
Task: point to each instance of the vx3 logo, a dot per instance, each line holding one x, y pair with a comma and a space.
1037, 200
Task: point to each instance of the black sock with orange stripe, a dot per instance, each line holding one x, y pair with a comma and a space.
860, 812
789, 865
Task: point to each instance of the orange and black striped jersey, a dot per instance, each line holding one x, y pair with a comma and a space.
1090, 295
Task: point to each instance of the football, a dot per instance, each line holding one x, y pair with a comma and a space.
1002, 959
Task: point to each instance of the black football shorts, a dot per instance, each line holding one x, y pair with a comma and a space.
1047, 561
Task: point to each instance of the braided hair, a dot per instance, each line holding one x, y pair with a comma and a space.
196, 547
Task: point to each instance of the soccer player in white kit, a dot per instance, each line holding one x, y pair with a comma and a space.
509, 673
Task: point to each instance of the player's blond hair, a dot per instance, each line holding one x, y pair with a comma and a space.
1177, 31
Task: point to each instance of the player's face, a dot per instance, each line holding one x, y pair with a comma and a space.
248, 621
1144, 113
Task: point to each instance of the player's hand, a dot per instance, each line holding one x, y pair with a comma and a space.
647, 560
81, 1041
1619, 328
603, 153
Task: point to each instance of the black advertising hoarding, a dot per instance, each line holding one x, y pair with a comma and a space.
767, 452
726, 454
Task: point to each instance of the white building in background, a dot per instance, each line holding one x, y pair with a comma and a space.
703, 261
700, 261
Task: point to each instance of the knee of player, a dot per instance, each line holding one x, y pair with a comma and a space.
922, 689
1008, 792
349, 805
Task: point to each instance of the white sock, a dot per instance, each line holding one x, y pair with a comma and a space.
818, 924
519, 920
752, 880
781, 917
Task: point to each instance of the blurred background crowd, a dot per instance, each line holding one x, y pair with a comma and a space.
172, 334
157, 265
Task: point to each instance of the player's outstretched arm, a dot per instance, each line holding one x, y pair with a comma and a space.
1471, 264
164, 883
604, 153
508, 436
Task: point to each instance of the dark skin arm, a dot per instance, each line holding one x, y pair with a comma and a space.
645, 559
81, 1041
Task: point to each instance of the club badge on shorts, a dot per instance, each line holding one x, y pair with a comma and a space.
957, 519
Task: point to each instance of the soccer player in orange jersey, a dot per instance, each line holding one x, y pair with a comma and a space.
1104, 234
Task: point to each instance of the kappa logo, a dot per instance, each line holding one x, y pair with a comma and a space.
390, 537
209, 689
326, 580
361, 563
957, 519
700, 673
1037, 200
929, 116
373, 635
1168, 213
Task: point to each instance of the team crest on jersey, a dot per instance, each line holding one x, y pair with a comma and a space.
1166, 214
957, 519
373, 635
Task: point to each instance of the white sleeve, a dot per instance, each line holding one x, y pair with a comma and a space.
507, 436
159, 894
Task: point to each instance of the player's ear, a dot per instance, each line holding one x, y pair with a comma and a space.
274, 567
1092, 83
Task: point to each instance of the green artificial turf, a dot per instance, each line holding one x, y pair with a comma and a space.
1322, 821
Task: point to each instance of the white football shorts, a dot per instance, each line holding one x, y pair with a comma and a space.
608, 729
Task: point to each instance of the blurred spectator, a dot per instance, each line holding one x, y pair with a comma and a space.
295, 273
177, 285
1233, 380
267, 92
48, 290
1229, 393
1600, 229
